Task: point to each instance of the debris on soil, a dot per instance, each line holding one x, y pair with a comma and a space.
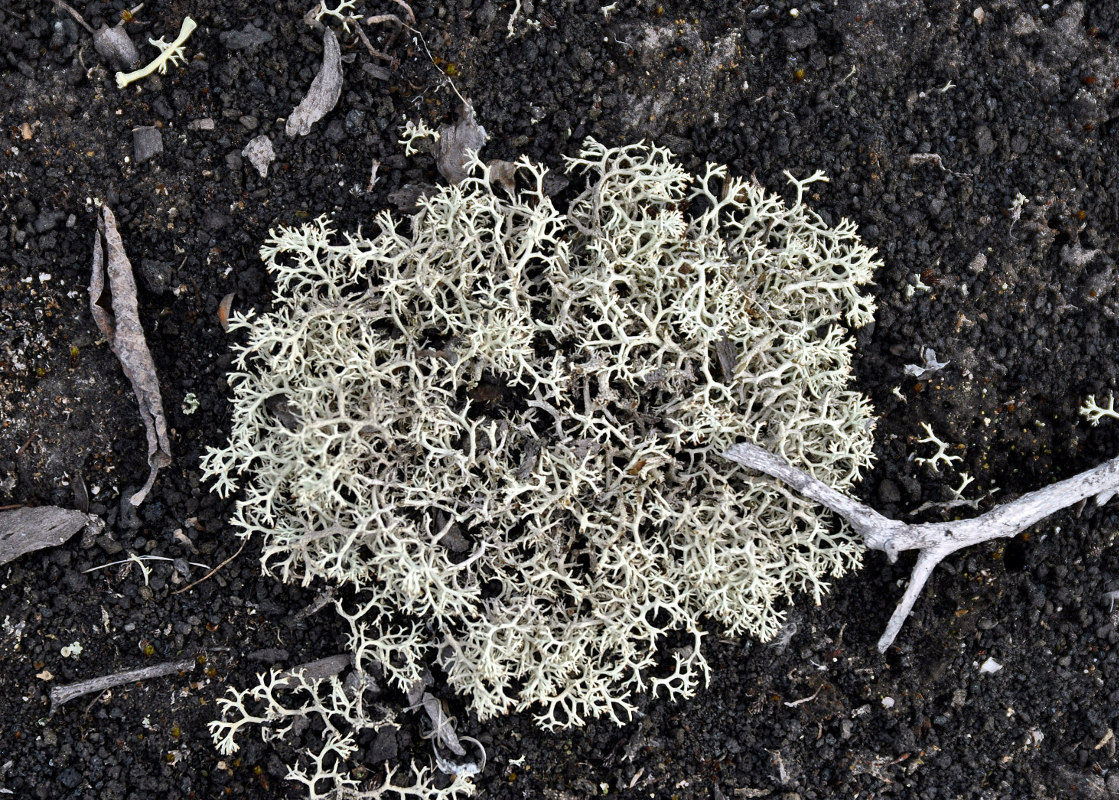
934, 541
169, 53
260, 154
112, 43
147, 143
454, 142
24, 530
930, 365
118, 318
325, 90
504, 174
60, 695
224, 308
115, 46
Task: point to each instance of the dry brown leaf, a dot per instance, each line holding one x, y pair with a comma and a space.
442, 727
504, 174
325, 90
117, 316
454, 142
223, 310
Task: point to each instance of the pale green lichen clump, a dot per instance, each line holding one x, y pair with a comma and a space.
502, 425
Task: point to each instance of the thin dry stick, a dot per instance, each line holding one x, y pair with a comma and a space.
373, 51
74, 13
210, 574
934, 541
60, 695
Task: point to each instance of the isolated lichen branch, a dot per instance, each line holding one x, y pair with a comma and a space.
1094, 412
172, 53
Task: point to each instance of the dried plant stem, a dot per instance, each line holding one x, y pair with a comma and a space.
61, 695
212, 572
936, 540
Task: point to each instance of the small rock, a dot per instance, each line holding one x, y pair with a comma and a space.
114, 45
215, 221
162, 108
989, 667
984, 141
157, 275
110, 545
335, 131
799, 37
888, 492
48, 220
248, 38
260, 154
70, 778
355, 122
384, 746
376, 71
269, 655
147, 142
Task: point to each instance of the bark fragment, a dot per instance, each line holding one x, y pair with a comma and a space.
24, 530
325, 90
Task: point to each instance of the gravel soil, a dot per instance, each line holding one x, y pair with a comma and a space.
999, 255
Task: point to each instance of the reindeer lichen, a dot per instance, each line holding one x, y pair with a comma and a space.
501, 425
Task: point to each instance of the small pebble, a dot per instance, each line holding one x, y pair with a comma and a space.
147, 142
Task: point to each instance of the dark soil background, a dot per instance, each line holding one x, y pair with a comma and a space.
1016, 97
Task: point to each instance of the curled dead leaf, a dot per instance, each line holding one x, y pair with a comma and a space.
116, 312
454, 143
223, 310
504, 174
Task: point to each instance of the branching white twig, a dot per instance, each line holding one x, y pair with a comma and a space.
936, 540
169, 53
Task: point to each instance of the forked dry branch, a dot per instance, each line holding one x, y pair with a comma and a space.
935, 541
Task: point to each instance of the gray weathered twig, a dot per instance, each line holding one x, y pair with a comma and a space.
936, 540
61, 695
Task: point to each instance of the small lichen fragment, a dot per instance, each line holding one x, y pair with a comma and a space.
168, 54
